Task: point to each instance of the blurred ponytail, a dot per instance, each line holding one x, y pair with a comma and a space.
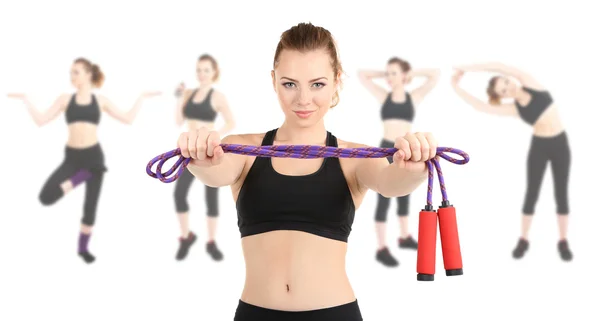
97, 75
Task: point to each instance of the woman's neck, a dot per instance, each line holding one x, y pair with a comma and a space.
296, 135
204, 86
84, 90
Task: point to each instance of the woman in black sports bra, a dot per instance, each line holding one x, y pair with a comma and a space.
295, 215
397, 114
200, 108
535, 106
84, 158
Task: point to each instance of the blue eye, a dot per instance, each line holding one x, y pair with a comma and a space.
288, 84
320, 84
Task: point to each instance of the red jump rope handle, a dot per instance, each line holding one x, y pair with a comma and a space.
449, 239
426, 245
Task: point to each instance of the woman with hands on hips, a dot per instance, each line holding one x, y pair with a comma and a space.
295, 215
530, 101
84, 159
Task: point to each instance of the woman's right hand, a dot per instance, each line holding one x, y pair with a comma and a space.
202, 146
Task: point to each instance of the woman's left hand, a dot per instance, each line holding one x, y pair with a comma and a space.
414, 149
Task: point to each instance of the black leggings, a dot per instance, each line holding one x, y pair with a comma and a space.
383, 203
182, 187
91, 159
556, 151
345, 312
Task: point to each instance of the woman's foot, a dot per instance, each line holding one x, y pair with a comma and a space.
564, 251
521, 248
213, 251
184, 246
408, 243
87, 257
82, 250
385, 257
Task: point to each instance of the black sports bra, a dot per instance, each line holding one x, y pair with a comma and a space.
319, 203
200, 111
89, 113
540, 101
392, 110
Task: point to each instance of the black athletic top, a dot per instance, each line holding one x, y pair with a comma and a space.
89, 113
200, 111
392, 110
319, 203
540, 101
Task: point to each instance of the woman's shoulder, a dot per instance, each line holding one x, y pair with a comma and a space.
254, 139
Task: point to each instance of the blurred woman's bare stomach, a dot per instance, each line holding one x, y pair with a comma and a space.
549, 124
295, 271
82, 135
394, 128
197, 124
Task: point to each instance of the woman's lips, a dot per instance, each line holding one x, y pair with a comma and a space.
304, 113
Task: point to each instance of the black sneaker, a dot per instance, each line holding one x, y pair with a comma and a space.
408, 243
213, 251
87, 257
565, 252
521, 248
184, 246
385, 257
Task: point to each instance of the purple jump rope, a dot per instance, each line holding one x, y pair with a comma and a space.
307, 151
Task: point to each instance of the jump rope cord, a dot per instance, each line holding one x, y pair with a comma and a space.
309, 151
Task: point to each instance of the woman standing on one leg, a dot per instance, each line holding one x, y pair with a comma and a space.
84, 158
533, 104
200, 108
397, 113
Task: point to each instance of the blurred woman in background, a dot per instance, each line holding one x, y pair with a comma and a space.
397, 113
84, 158
199, 108
530, 101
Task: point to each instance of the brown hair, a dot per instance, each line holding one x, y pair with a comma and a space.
214, 64
308, 37
494, 98
404, 65
97, 75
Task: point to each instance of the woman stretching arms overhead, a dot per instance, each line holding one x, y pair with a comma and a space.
530, 101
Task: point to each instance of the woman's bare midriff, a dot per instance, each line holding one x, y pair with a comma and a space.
197, 124
295, 271
82, 135
549, 124
394, 128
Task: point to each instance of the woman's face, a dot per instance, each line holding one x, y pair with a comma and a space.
79, 75
505, 87
305, 85
205, 72
394, 75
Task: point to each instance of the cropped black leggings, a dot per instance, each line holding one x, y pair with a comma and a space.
91, 159
383, 203
182, 187
556, 151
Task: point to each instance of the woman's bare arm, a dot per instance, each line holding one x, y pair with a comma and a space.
419, 93
222, 106
523, 77
43, 118
125, 117
480, 105
366, 79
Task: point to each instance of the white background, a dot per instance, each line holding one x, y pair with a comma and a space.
150, 45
